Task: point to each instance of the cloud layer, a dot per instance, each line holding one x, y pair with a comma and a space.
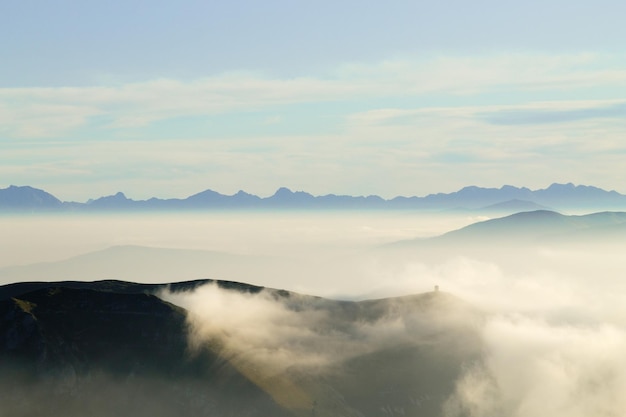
533, 368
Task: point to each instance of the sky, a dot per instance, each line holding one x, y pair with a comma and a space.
167, 99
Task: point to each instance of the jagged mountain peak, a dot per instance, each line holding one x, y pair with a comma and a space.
557, 196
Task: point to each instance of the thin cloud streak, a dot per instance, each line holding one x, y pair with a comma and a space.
530, 117
51, 112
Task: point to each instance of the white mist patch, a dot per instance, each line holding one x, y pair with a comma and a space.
254, 327
533, 368
556, 334
35, 238
305, 350
484, 284
277, 331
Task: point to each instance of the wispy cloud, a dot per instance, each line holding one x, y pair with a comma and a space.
50, 112
494, 118
535, 112
537, 116
53, 112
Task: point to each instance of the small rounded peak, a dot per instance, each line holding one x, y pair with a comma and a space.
283, 191
21, 187
555, 185
536, 213
470, 188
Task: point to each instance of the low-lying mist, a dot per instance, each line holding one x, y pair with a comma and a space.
549, 340
283, 330
44, 238
534, 368
304, 251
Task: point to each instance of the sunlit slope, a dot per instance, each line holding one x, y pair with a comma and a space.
116, 348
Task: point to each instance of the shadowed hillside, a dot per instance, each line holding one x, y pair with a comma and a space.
110, 350
117, 348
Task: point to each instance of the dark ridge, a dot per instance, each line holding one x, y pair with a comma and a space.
121, 287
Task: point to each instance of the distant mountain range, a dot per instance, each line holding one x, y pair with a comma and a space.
507, 199
117, 348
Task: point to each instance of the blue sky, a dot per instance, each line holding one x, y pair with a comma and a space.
166, 99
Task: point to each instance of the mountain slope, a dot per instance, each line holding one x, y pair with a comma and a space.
531, 227
537, 225
512, 207
27, 199
114, 348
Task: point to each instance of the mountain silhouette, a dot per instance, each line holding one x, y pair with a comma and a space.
537, 225
504, 199
512, 207
15, 198
527, 228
